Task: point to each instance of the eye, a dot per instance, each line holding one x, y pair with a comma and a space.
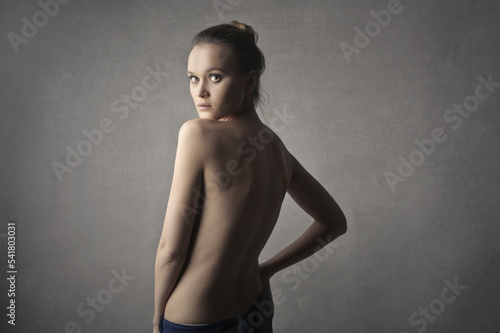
193, 79
215, 77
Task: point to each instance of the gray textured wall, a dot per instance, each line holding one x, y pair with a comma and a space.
394, 118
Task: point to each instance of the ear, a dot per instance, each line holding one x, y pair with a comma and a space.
251, 81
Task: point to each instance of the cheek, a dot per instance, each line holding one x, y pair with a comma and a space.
222, 93
234, 93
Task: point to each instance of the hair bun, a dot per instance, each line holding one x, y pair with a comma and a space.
246, 28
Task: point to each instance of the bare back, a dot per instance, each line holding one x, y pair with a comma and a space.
245, 179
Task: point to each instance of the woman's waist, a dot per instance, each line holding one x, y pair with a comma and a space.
201, 299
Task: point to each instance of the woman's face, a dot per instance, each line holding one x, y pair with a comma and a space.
217, 87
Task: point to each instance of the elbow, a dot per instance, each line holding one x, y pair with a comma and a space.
169, 257
339, 228
344, 226
335, 225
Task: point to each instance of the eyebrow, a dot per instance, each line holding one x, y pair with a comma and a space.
211, 69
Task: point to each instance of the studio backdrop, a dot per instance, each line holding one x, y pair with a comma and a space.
393, 105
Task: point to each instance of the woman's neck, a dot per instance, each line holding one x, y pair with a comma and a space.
246, 113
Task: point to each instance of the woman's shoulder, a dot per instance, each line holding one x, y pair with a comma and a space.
197, 124
205, 134
197, 129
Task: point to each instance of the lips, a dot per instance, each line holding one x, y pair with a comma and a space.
204, 106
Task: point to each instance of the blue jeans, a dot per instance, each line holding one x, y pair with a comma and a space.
258, 319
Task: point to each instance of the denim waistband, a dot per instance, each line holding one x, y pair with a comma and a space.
246, 323
218, 327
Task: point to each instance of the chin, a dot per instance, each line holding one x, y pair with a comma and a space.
205, 115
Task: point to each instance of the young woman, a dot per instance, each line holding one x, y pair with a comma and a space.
230, 177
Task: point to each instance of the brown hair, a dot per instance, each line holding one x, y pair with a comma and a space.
242, 41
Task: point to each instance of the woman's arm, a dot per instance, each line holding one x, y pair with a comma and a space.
329, 221
180, 214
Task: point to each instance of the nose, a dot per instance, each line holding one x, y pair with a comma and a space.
202, 90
